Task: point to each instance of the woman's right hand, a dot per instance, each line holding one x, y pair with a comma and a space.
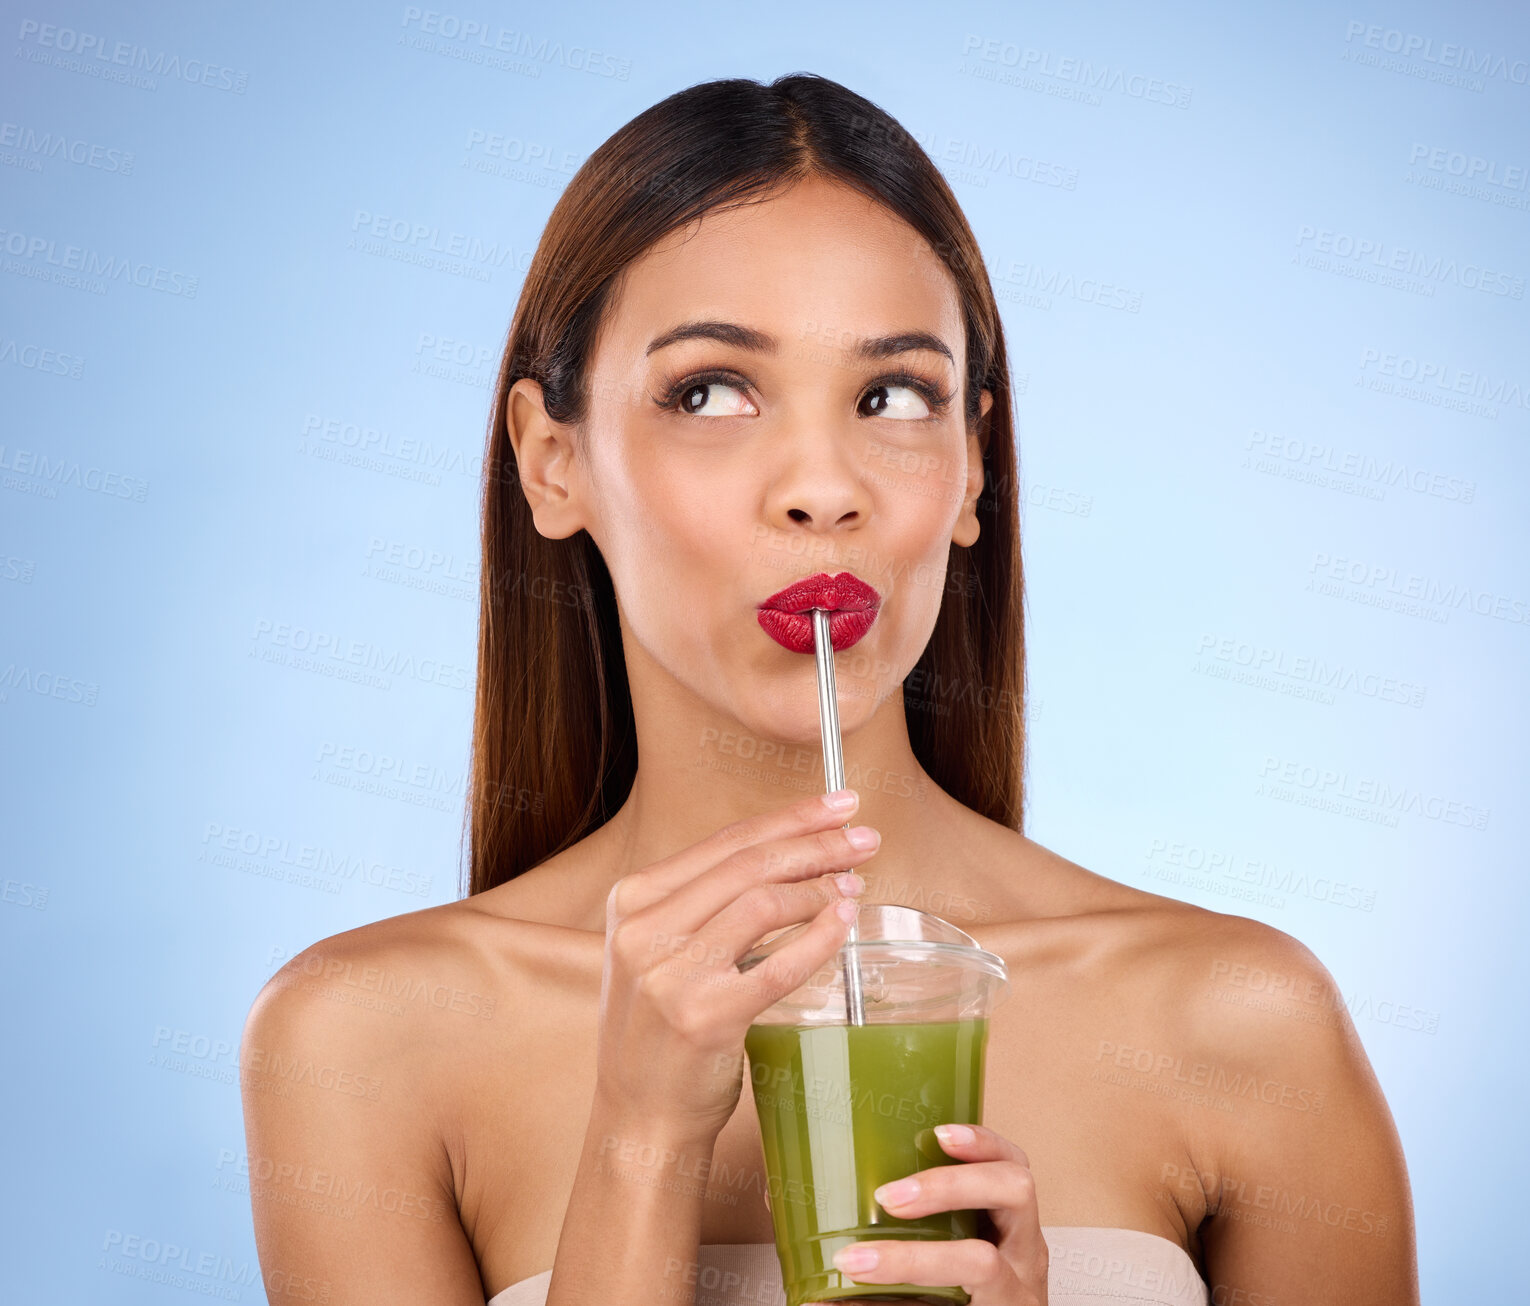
674, 1008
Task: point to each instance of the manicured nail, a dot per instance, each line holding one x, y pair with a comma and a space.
859, 1257
841, 800
862, 836
850, 884
954, 1134
898, 1193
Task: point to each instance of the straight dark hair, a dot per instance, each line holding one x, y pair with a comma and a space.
554, 751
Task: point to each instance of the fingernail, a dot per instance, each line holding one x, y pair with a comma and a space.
859, 1257
862, 836
841, 800
848, 909
850, 883
954, 1134
898, 1193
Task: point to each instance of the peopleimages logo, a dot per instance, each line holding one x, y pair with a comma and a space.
384, 768
1469, 167
1378, 255
1330, 784
62, 472
456, 252
1306, 459
1310, 669
206, 1273
305, 649
71, 149
90, 268
125, 54
1211, 868
1448, 595
281, 851
505, 40
38, 358
1444, 54
1066, 68
1433, 374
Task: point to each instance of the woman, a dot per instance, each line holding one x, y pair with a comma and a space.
757, 345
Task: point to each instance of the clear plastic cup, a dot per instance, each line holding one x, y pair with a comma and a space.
846, 1108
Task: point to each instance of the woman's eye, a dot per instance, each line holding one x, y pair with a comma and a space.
714, 399
897, 401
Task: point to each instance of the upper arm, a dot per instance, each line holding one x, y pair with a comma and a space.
1309, 1200
350, 1187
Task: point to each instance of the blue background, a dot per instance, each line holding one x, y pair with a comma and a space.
281, 426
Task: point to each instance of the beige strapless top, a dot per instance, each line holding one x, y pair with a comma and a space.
1088, 1266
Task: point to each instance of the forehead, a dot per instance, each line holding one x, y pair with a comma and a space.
818, 260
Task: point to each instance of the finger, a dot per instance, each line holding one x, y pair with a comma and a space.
662, 878
976, 1186
780, 861
969, 1142
762, 910
970, 1263
997, 1178
789, 968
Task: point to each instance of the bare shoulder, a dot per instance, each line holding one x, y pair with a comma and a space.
1178, 954
363, 1021
410, 1001
350, 1124
1226, 988
1290, 1153
1246, 993
1216, 1010
403, 967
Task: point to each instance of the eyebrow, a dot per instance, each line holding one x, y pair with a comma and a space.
743, 337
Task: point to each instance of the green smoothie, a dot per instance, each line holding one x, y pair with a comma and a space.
844, 1109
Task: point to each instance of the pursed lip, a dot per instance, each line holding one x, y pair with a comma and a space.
845, 592
851, 603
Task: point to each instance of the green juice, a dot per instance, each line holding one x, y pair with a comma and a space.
844, 1109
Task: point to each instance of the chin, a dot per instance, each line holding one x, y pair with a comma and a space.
787, 712
782, 714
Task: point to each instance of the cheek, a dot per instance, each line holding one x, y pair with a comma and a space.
674, 511
673, 534
918, 518
924, 513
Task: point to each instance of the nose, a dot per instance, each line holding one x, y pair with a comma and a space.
819, 487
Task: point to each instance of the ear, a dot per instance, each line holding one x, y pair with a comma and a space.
544, 459
966, 530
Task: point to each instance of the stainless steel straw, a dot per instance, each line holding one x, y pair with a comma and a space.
834, 778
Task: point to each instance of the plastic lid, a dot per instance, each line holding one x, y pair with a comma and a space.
915, 966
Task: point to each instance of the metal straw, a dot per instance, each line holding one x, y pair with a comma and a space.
834, 778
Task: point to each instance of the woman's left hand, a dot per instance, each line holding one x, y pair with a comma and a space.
996, 1177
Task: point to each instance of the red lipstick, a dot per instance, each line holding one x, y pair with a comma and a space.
851, 603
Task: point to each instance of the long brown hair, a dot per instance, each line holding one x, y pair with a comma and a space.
554, 750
